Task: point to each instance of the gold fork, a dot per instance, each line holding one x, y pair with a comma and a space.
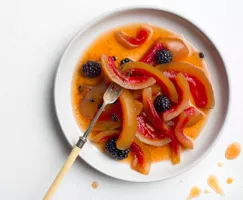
111, 95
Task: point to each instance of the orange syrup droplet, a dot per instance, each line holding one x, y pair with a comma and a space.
220, 164
213, 183
94, 184
229, 180
233, 151
195, 192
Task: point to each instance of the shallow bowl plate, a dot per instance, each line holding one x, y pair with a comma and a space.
165, 19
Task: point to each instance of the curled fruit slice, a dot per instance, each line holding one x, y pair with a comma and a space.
137, 94
184, 92
175, 150
129, 121
181, 136
200, 86
141, 157
104, 136
149, 56
175, 45
113, 111
154, 118
149, 136
138, 107
132, 82
83, 90
166, 85
92, 100
133, 42
194, 115
152, 114
105, 125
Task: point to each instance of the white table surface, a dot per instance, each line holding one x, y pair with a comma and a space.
33, 36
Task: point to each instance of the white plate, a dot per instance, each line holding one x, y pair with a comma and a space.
168, 20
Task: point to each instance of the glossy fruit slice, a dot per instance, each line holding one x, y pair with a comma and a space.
113, 111
184, 91
150, 136
165, 84
104, 136
194, 115
175, 149
150, 111
155, 89
138, 106
200, 86
149, 56
106, 125
129, 121
154, 118
92, 100
137, 94
132, 82
179, 132
141, 157
175, 45
83, 90
131, 42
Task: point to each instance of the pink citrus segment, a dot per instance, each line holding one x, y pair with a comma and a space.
165, 84
184, 91
179, 131
200, 86
141, 157
131, 42
115, 75
149, 136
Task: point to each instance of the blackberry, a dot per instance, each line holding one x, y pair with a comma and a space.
201, 55
115, 153
125, 60
91, 69
164, 56
162, 103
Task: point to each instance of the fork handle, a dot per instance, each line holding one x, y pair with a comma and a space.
66, 166
72, 156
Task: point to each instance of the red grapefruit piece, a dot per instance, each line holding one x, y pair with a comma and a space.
132, 82
131, 42
141, 157
200, 86
184, 91
149, 136
194, 115
181, 136
165, 84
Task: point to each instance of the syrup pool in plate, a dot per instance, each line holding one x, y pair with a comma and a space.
166, 118
165, 102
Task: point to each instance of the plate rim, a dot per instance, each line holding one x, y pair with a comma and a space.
100, 18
